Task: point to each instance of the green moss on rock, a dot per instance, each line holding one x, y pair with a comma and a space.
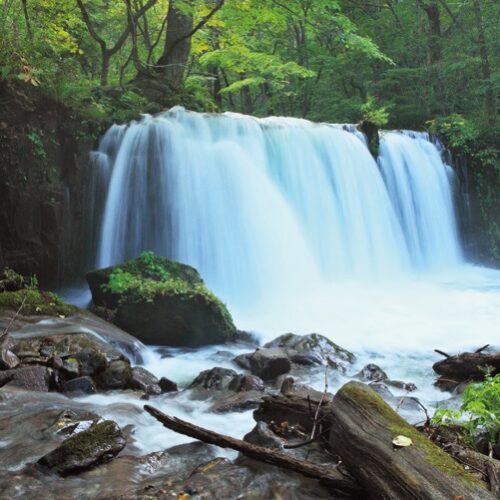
162, 301
36, 302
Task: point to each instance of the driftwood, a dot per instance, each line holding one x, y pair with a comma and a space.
362, 430
330, 476
468, 366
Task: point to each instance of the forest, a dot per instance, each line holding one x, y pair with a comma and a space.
249, 249
417, 64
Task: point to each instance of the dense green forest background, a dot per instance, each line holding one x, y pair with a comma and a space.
420, 64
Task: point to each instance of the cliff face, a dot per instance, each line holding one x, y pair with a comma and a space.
42, 154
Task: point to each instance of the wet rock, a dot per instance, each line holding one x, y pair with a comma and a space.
214, 379
382, 390
186, 315
241, 383
91, 361
167, 385
79, 385
142, 380
313, 349
267, 363
101, 443
373, 373
116, 376
405, 386
243, 337
71, 367
261, 435
32, 378
240, 401
8, 359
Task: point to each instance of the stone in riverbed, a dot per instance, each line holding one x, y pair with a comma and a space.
313, 348
8, 359
167, 385
242, 383
116, 376
32, 378
101, 443
269, 363
214, 379
79, 385
373, 373
142, 380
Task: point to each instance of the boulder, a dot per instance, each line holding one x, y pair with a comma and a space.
91, 361
79, 385
373, 373
32, 378
142, 380
313, 349
162, 302
242, 383
267, 363
214, 379
166, 385
101, 443
263, 436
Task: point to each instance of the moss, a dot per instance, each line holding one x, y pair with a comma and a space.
85, 443
36, 302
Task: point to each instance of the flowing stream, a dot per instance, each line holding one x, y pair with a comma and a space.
297, 228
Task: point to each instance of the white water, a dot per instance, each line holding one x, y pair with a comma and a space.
298, 229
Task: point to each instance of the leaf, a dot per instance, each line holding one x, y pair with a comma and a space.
402, 441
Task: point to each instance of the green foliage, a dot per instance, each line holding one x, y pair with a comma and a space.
458, 132
37, 142
479, 413
374, 114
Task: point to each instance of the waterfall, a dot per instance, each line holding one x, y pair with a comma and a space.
264, 206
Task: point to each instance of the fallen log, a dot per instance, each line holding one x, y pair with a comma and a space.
362, 431
468, 365
329, 476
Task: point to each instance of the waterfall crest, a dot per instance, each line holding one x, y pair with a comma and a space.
263, 206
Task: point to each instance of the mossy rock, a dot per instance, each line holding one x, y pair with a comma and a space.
36, 302
102, 442
162, 302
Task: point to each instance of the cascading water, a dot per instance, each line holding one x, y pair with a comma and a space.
269, 206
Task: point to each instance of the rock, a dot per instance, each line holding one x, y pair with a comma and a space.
313, 349
101, 443
8, 359
261, 435
373, 373
91, 361
79, 385
241, 401
32, 378
167, 385
116, 376
405, 386
268, 363
142, 380
241, 383
214, 379
175, 308
71, 367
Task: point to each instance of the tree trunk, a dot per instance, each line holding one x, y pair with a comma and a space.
362, 430
490, 101
175, 56
105, 57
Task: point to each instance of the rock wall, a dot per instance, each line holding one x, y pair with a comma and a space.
43, 149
